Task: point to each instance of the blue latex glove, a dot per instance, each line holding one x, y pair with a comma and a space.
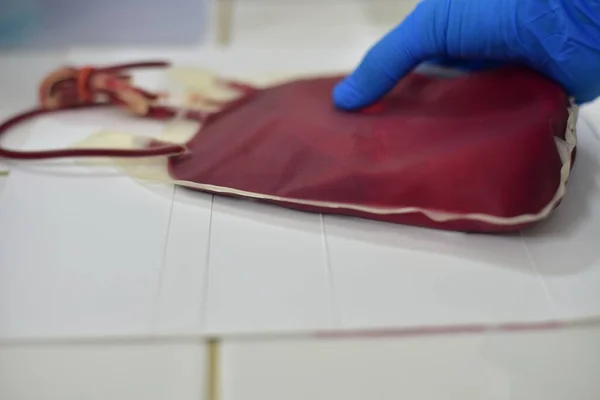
560, 38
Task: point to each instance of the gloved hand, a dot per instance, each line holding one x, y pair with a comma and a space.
559, 38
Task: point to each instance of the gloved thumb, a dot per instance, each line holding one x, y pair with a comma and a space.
416, 39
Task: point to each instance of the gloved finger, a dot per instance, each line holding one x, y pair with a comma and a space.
414, 40
464, 65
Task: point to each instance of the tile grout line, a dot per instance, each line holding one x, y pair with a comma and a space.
213, 346
163, 265
213, 370
203, 317
335, 317
225, 11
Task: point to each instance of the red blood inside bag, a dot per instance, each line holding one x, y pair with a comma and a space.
486, 152
479, 144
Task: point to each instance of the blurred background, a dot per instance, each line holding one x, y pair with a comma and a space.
66, 23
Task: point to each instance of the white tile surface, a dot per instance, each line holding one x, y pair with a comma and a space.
267, 269
20, 75
553, 365
565, 247
100, 372
388, 275
182, 302
80, 249
543, 365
